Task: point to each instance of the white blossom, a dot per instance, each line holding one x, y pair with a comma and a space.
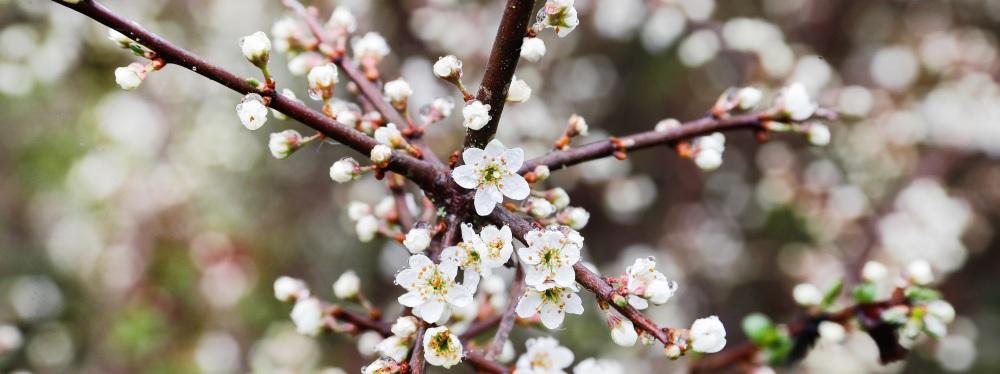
10, 338
347, 285
357, 209
941, 310
708, 335
920, 272
398, 91
366, 228
131, 76
748, 97
478, 255
476, 115
796, 103
708, 160
806, 294
544, 355
578, 124
252, 112
623, 332
533, 49
551, 303
644, 283
818, 134
256, 48
342, 19
381, 366
831, 332
283, 144
601, 366
874, 271
390, 136
442, 348
549, 259
345, 170
321, 80
493, 174
288, 288
405, 326
308, 316
448, 67
574, 217
518, 92
431, 288
444, 106
394, 347
561, 16
417, 240
381, 154
372, 47
667, 125
540, 208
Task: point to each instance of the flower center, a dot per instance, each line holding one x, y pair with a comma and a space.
437, 283
491, 174
441, 343
552, 295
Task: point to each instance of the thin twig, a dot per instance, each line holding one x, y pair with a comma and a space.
509, 315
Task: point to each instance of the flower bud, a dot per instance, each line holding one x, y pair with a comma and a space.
284, 143
308, 316
920, 272
405, 326
448, 68
366, 228
574, 217
540, 208
818, 134
252, 112
357, 209
532, 49
660, 291
874, 271
708, 160
558, 197
708, 335
796, 104
831, 332
578, 125
806, 294
345, 170
667, 124
519, 91
370, 48
347, 285
542, 173
672, 351
390, 136
476, 114
367, 343
417, 240
288, 288
10, 338
398, 92
342, 19
131, 76
748, 97
119, 38
623, 332
321, 81
256, 48
508, 353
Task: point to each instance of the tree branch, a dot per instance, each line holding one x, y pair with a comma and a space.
509, 315
421, 172
500, 67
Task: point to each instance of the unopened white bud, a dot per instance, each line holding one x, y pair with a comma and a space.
283, 144
874, 271
708, 160
542, 172
371, 47
308, 316
288, 288
667, 124
357, 209
920, 272
533, 49
574, 217
322, 79
623, 332
131, 76
342, 19
256, 48
448, 67
476, 114
443, 106
708, 335
345, 170
405, 326
390, 136
508, 353
831, 332
119, 38
381, 154
252, 112
806, 294
366, 228
541, 208
398, 92
519, 91
578, 124
417, 240
748, 97
796, 103
347, 285
818, 134
672, 351
559, 197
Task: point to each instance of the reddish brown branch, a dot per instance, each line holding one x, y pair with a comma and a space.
509, 315
500, 67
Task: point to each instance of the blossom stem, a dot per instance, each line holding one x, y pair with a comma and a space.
507, 321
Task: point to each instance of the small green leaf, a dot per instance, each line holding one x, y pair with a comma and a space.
921, 293
864, 293
832, 293
253, 82
758, 328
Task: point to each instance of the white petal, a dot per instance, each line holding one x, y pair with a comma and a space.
552, 316
514, 158
459, 296
529, 255
515, 187
494, 148
528, 305
637, 302
449, 269
468, 234
430, 311
454, 254
406, 278
484, 203
574, 305
419, 261
472, 156
533, 277
565, 276
465, 176
471, 279
410, 299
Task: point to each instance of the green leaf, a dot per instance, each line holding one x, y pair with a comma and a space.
921, 293
864, 293
253, 82
758, 328
832, 294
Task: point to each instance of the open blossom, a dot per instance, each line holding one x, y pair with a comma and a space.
448, 67
561, 16
252, 112
533, 49
256, 48
476, 115
283, 144
544, 355
381, 366
551, 304
370, 47
288, 288
342, 19
478, 255
347, 285
417, 240
518, 92
442, 348
796, 103
549, 258
431, 288
345, 170
708, 335
308, 316
493, 174
131, 76
644, 283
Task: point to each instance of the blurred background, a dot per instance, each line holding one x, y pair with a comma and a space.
142, 231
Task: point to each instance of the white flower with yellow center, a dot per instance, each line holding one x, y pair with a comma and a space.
551, 304
441, 347
561, 16
479, 254
644, 283
549, 258
493, 174
544, 356
431, 288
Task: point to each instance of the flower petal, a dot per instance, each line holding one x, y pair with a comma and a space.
484, 203
465, 176
528, 305
430, 311
410, 299
515, 187
514, 158
472, 156
470, 279
552, 316
459, 296
494, 149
